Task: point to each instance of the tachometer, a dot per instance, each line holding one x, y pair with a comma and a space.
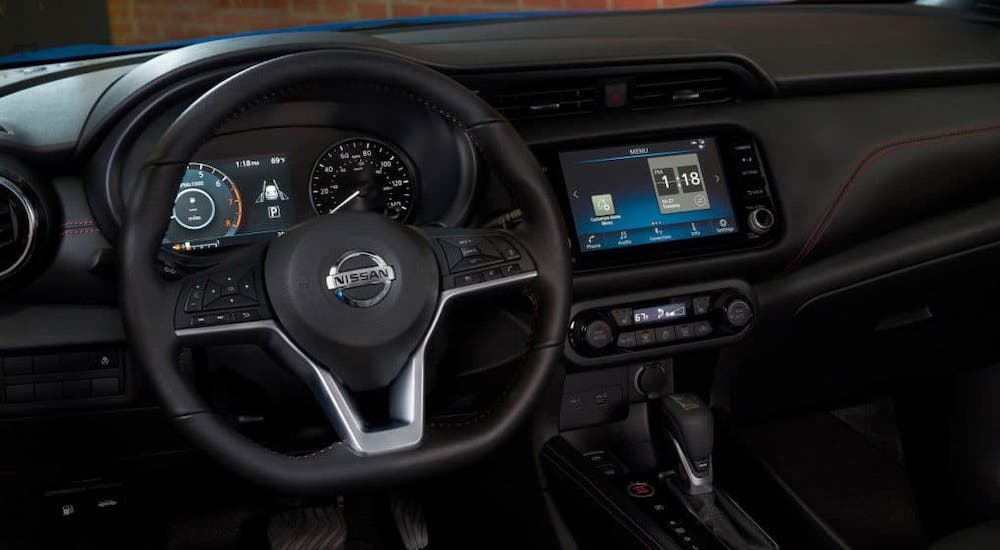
208, 206
363, 174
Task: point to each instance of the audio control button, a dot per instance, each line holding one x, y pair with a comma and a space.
761, 220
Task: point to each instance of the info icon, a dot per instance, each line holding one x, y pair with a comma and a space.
604, 205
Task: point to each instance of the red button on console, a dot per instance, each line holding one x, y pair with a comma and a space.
641, 489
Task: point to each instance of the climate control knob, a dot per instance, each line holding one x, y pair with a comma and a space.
597, 334
738, 312
761, 220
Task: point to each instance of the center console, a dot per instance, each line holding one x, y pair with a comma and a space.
646, 199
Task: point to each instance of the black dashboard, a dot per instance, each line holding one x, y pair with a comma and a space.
819, 175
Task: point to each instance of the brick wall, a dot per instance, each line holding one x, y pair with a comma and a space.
148, 21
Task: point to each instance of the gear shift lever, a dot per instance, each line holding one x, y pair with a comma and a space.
688, 422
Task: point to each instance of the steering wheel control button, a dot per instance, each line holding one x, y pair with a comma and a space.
468, 279
510, 269
213, 291
507, 250
641, 489
492, 273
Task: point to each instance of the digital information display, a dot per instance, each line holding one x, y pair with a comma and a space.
645, 194
229, 201
666, 312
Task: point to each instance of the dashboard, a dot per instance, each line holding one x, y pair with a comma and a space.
829, 186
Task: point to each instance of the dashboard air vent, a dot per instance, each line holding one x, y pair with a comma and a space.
539, 98
656, 91
18, 228
527, 95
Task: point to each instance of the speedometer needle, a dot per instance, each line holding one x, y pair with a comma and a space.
347, 200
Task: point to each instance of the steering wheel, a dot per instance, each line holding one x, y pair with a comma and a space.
347, 302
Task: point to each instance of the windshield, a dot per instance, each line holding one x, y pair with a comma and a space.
124, 25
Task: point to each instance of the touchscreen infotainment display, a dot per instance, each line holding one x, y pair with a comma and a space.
647, 194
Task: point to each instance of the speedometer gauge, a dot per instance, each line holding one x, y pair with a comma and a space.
363, 174
207, 207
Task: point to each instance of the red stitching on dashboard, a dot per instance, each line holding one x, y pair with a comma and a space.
866, 160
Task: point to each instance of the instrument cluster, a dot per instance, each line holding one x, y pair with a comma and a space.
225, 202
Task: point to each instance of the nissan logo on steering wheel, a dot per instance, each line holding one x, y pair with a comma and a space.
360, 279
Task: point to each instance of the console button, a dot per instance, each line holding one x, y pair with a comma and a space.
665, 334
622, 316
103, 360
16, 366
701, 304
21, 393
645, 337
702, 329
76, 389
48, 362
598, 334
106, 386
48, 391
685, 332
641, 489
74, 361
626, 340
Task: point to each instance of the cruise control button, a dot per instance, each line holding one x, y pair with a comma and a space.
473, 262
468, 279
507, 250
470, 251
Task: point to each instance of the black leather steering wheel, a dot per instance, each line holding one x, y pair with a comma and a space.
348, 301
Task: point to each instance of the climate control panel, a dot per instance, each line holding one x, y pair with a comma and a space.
658, 322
